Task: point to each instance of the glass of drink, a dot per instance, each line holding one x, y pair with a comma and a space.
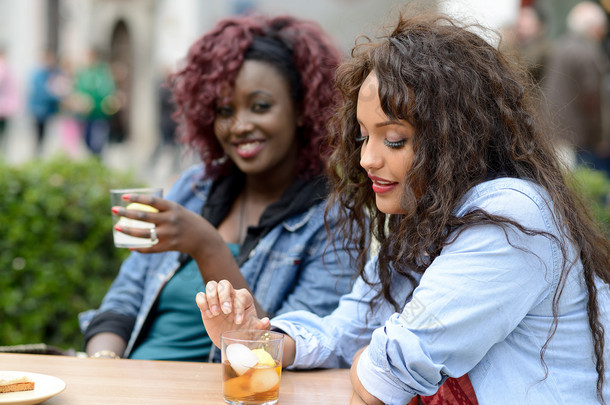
127, 241
251, 366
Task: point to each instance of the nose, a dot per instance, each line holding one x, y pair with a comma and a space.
370, 158
241, 124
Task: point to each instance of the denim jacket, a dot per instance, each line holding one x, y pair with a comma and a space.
290, 268
483, 307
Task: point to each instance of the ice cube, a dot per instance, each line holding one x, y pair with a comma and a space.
263, 379
240, 357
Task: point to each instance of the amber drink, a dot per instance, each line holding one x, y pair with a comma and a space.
251, 366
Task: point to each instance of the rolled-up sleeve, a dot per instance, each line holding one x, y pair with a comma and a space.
470, 298
332, 341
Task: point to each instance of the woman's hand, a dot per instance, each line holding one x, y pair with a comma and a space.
177, 228
356, 400
223, 308
360, 394
180, 229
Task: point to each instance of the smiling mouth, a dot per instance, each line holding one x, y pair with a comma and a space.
249, 149
382, 186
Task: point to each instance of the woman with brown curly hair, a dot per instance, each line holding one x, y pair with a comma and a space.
254, 99
487, 263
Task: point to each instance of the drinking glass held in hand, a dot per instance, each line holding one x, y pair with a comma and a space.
123, 240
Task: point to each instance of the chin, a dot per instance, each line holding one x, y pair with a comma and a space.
389, 209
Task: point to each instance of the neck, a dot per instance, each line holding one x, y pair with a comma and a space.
256, 196
267, 188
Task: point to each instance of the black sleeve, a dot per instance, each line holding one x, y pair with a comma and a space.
112, 322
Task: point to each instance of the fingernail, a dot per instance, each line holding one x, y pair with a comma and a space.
238, 319
115, 210
208, 314
118, 228
126, 197
226, 307
215, 310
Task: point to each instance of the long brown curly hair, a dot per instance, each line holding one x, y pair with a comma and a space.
213, 62
474, 119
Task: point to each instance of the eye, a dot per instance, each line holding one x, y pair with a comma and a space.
362, 139
394, 144
261, 107
364, 135
224, 111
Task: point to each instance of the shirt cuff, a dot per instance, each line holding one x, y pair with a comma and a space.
372, 379
112, 322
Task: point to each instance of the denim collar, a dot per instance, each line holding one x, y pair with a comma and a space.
298, 198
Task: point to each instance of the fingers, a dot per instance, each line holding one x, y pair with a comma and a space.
137, 214
242, 301
145, 212
202, 303
221, 298
152, 200
146, 233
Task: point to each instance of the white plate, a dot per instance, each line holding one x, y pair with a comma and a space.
46, 386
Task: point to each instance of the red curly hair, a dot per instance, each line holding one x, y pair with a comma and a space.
213, 62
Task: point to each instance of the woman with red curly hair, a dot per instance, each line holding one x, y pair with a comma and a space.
254, 99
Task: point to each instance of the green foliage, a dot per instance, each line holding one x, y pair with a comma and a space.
594, 186
57, 256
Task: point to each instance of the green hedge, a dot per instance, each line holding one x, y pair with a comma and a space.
56, 252
595, 187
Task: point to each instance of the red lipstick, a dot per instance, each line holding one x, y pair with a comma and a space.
381, 185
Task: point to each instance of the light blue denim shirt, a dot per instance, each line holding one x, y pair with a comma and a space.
288, 270
483, 307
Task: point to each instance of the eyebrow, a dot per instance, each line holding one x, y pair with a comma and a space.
384, 123
259, 92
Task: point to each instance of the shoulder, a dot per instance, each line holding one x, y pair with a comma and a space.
517, 199
311, 218
189, 183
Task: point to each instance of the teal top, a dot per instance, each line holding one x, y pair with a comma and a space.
234, 247
176, 332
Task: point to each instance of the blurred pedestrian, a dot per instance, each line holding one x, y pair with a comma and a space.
95, 89
69, 128
44, 96
9, 97
574, 85
167, 125
532, 42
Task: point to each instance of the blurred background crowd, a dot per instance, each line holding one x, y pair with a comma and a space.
84, 77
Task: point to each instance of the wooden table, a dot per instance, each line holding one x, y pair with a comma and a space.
108, 381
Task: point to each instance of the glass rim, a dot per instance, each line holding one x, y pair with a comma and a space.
237, 335
137, 190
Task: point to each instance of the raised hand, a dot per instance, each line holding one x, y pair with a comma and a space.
180, 229
224, 308
177, 228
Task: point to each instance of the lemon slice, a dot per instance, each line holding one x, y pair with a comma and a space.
264, 358
141, 207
